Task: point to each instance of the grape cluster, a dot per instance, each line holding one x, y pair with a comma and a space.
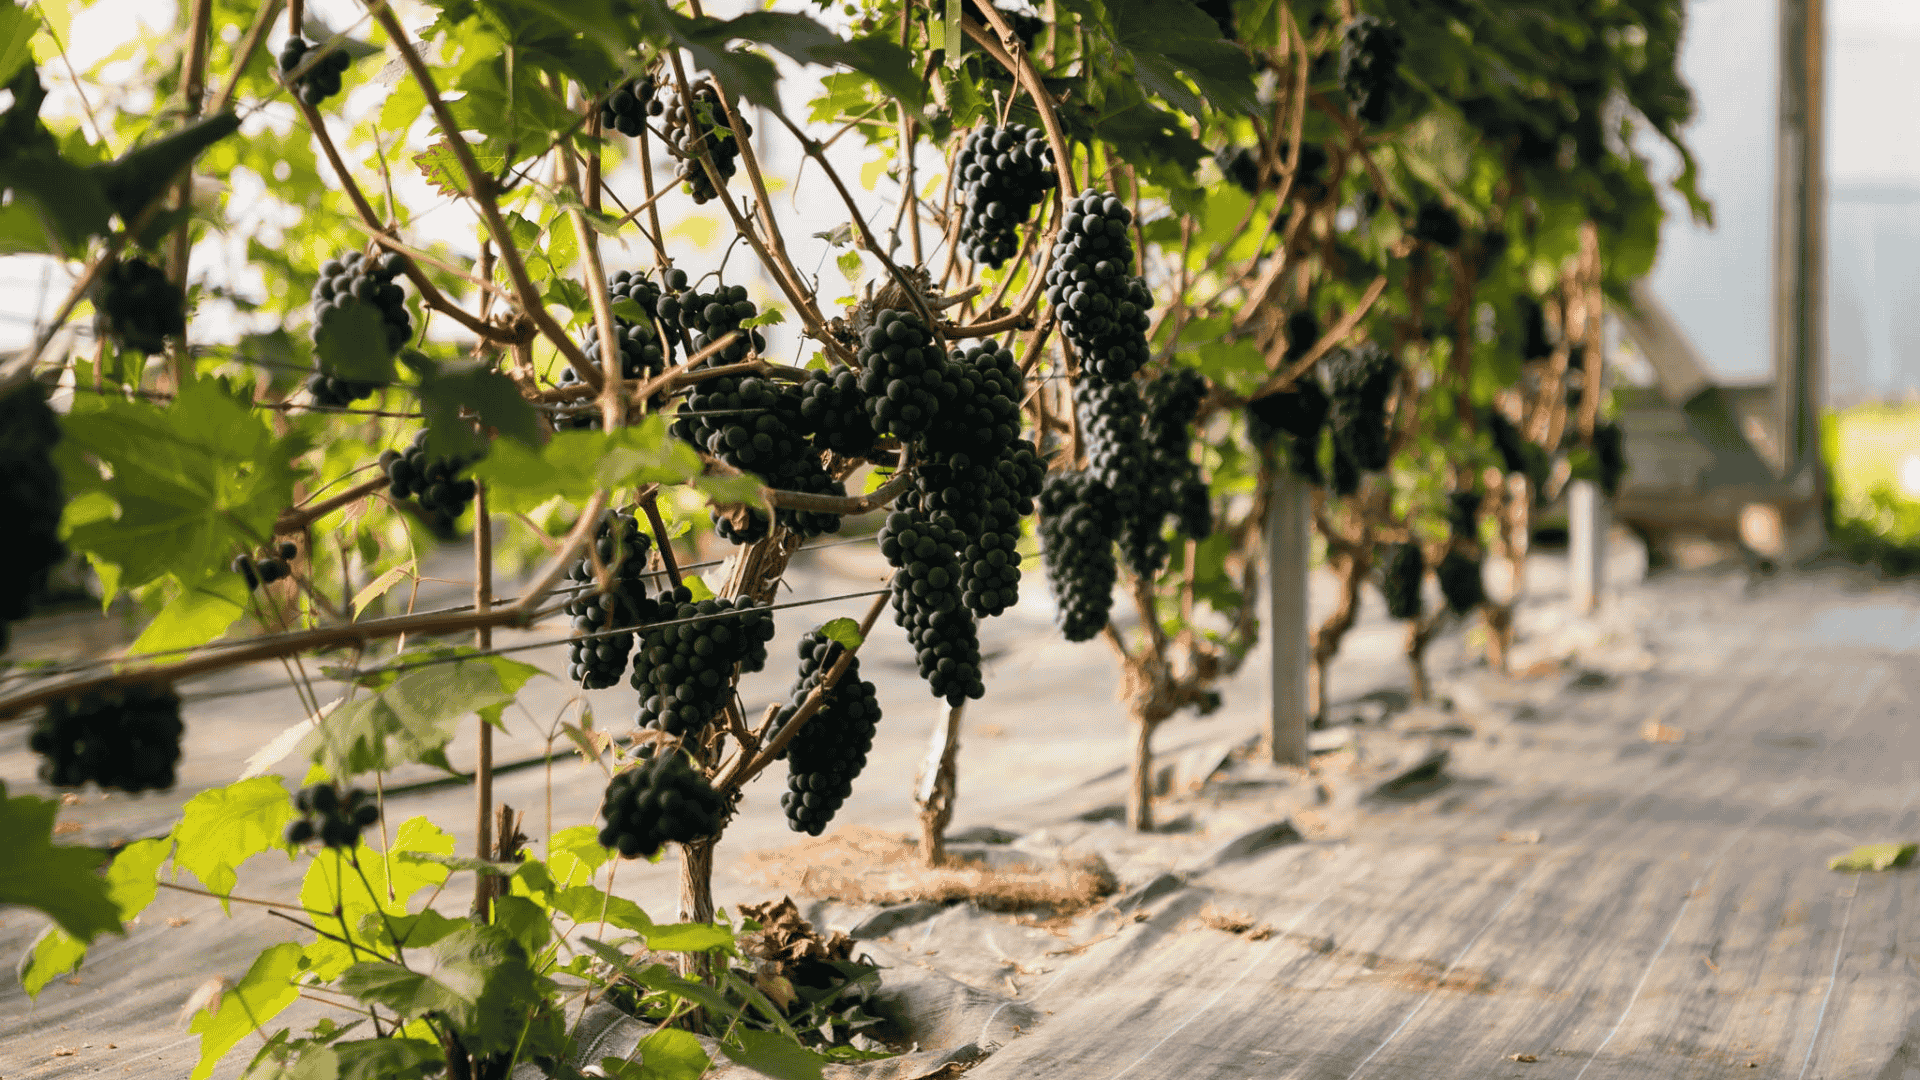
434, 483
1299, 412
903, 375
321, 81
1402, 568
348, 282
627, 108
641, 357
984, 500
1240, 166
1437, 225
1076, 529
1361, 379
334, 817
705, 118
118, 737
1103, 307
138, 306
1463, 516
827, 754
267, 570
1173, 400
1610, 454
929, 601
597, 662
835, 413
1003, 174
1460, 583
32, 492
660, 799
983, 414
1370, 52
751, 526
1113, 421
710, 316
685, 671
756, 425
1535, 342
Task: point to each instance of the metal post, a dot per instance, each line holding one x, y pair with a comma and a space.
1799, 248
1288, 533
1587, 523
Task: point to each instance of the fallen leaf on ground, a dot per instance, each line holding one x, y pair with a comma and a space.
1873, 857
66, 828
177, 921
1655, 731
64, 1051
1531, 836
1521, 1057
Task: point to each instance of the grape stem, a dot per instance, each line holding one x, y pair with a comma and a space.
745, 767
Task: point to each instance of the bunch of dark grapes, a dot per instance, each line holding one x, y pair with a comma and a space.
322, 80
704, 119
596, 662
983, 414
1299, 412
710, 316
1535, 342
1003, 174
1113, 422
1463, 516
742, 525
684, 671
756, 425
641, 357
31, 489
138, 307
1240, 166
269, 569
435, 483
334, 817
1610, 454
1370, 67
627, 108
1076, 531
827, 754
127, 738
1103, 307
659, 800
1459, 577
834, 412
984, 499
1402, 568
929, 601
1173, 400
1437, 225
903, 375
1361, 379
346, 283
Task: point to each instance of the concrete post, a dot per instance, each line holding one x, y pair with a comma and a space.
1587, 522
1289, 532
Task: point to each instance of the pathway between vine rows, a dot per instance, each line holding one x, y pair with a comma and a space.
1567, 899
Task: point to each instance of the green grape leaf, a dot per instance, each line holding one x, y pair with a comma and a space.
629, 309
588, 906
371, 1059
16, 37
850, 266
142, 174
575, 854
221, 828
573, 465
416, 931
773, 1055
523, 920
53, 954
668, 1054
1868, 857
410, 719
843, 630
731, 490
265, 990
133, 879
194, 482
772, 316
482, 981
200, 614
446, 389
375, 885
351, 342
688, 937
658, 977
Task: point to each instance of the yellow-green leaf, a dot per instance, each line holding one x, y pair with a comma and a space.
1874, 857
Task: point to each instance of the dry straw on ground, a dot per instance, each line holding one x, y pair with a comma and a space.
859, 864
